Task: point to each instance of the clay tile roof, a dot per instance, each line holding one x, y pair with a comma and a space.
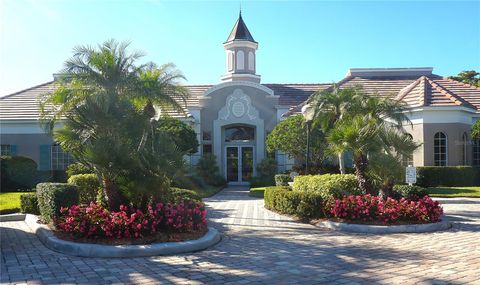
240, 32
23, 105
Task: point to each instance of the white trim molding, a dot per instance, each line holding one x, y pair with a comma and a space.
236, 84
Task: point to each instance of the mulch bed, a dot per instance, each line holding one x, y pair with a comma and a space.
156, 238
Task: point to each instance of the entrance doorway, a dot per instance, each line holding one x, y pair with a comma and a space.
239, 163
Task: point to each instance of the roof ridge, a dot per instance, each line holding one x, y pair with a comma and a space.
407, 89
454, 98
27, 89
462, 83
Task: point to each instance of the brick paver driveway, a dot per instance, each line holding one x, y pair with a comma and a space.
261, 247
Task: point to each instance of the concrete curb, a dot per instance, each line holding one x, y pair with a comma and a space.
12, 217
374, 229
97, 250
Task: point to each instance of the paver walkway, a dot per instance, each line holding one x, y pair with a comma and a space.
260, 247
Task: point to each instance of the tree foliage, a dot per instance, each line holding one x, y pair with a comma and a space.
182, 135
366, 126
110, 106
476, 130
468, 76
290, 136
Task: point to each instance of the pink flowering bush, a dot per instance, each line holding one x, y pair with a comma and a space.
368, 208
94, 221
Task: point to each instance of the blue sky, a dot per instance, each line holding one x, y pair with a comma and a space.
313, 41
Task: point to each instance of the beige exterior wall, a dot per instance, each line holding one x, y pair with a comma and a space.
416, 131
454, 133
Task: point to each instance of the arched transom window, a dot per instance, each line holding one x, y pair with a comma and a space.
440, 149
239, 134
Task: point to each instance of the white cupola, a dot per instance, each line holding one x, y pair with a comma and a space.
240, 49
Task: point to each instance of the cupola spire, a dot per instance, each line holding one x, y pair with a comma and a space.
240, 49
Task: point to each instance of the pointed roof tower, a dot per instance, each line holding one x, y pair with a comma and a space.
240, 31
240, 49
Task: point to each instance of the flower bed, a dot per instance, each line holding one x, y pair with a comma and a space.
372, 209
95, 222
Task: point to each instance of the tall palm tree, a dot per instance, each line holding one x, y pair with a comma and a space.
109, 104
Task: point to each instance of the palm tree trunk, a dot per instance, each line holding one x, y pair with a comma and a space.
386, 190
341, 163
113, 197
361, 163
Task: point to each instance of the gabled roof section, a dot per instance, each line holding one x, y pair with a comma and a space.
240, 32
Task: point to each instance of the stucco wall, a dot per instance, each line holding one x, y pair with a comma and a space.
261, 100
27, 144
454, 133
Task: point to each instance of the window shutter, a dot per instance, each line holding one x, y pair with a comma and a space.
45, 157
13, 149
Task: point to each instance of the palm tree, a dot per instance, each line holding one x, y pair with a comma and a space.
329, 107
110, 105
363, 125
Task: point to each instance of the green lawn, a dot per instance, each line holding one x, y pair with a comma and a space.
208, 191
10, 202
257, 192
473, 192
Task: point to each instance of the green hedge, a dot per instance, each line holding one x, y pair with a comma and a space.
29, 204
282, 179
53, 196
178, 194
88, 186
431, 176
305, 205
408, 191
77, 168
328, 185
17, 173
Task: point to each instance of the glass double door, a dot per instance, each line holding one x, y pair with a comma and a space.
239, 163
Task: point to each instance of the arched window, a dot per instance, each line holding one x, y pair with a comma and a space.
251, 61
240, 60
476, 152
440, 149
407, 159
239, 134
464, 148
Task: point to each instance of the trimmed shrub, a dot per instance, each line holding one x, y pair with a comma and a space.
177, 194
207, 168
17, 173
408, 191
94, 221
328, 185
431, 176
29, 204
282, 179
53, 196
78, 168
305, 205
87, 186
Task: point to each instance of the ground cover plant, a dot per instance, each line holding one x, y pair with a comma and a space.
95, 222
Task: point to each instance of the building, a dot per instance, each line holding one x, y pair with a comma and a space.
233, 118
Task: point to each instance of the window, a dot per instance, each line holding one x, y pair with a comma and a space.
6, 149
440, 149
251, 61
207, 136
240, 60
207, 148
230, 60
464, 148
239, 134
476, 152
60, 159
